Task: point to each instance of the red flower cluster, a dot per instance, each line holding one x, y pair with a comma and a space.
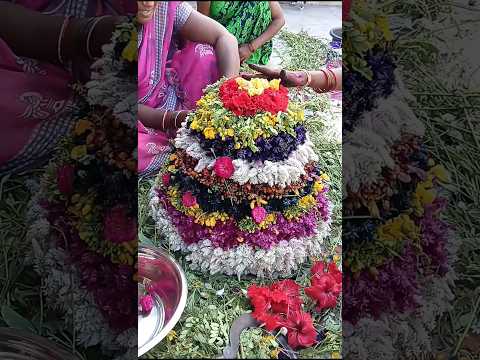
326, 285
280, 305
241, 104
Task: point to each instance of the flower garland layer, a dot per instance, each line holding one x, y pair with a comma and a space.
280, 260
117, 69
182, 165
195, 199
274, 148
280, 173
75, 188
227, 234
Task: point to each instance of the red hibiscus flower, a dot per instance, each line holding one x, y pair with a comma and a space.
224, 167
292, 290
188, 199
65, 178
325, 291
320, 268
268, 306
326, 285
301, 332
118, 227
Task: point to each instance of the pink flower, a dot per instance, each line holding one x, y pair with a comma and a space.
166, 179
259, 214
118, 227
224, 167
65, 178
188, 199
146, 304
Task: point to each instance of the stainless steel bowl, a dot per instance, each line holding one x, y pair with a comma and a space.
22, 345
165, 280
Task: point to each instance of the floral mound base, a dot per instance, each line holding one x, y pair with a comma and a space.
229, 200
84, 234
398, 273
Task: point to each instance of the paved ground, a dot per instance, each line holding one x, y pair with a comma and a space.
317, 19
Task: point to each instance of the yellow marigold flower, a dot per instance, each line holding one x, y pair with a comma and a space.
257, 86
194, 125
171, 168
230, 132
336, 257
78, 152
325, 177
275, 84
336, 355
440, 173
209, 133
86, 209
171, 335
242, 83
382, 23
130, 51
237, 146
425, 194
82, 126
300, 115
317, 187
306, 201
274, 353
270, 119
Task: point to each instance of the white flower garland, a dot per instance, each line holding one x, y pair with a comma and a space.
62, 287
281, 260
106, 88
370, 142
393, 336
281, 173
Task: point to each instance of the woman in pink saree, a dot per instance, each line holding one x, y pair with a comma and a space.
180, 53
37, 98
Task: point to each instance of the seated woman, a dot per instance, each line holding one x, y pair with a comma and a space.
254, 24
37, 67
180, 52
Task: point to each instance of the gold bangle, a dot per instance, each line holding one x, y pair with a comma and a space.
163, 119
309, 77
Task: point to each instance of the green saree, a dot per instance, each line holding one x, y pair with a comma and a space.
246, 20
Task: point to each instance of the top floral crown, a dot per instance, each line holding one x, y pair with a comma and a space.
243, 111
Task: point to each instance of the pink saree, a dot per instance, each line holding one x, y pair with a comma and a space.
36, 103
168, 78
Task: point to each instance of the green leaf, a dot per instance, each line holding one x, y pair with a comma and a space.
15, 320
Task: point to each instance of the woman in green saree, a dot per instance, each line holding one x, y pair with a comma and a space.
253, 23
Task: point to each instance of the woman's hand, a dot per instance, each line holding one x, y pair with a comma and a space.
244, 52
287, 78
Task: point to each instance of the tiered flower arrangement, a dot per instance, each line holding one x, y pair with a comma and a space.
398, 250
280, 307
83, 223
242, 193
